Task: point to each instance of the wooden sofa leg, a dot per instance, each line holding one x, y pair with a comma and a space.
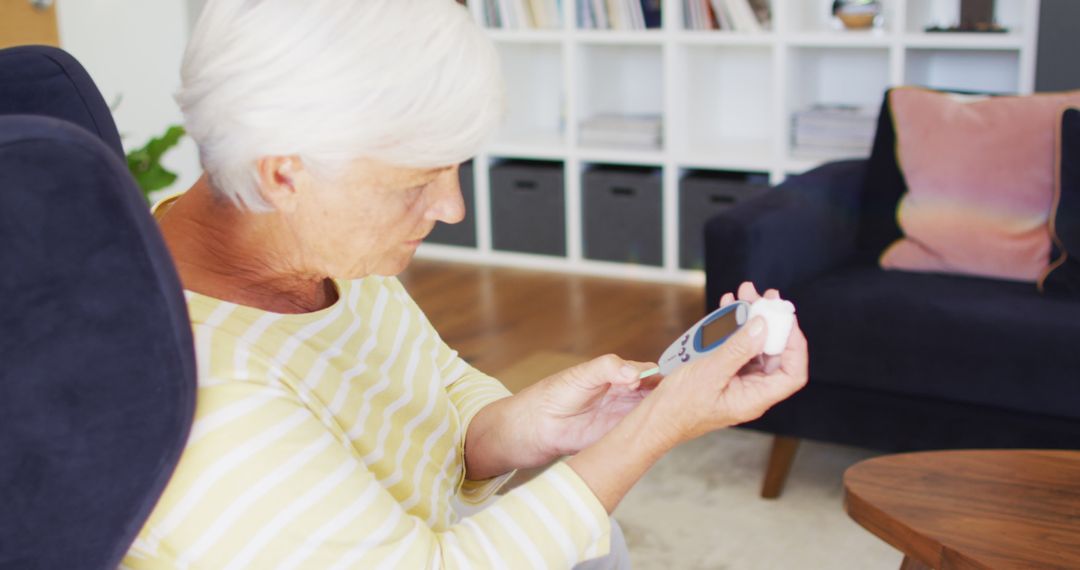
780, 458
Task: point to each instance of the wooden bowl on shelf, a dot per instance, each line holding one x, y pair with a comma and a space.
857, 20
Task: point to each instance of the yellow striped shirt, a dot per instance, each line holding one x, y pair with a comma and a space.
335, 439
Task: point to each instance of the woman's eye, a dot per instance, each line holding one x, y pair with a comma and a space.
413, 194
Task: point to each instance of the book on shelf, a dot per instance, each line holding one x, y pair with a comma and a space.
585, 15
762, 10
597, 14
742, 16
749, 16
634, 131
698, 15
619, 14
614, 13
522, 14
652, 13
720, 15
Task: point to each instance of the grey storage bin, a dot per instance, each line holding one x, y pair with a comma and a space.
528, 207
702, 195
464, 232
622, 213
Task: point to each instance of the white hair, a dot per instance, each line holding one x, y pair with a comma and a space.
413, 83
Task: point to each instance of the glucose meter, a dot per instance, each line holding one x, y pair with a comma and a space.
707, 334
711, 331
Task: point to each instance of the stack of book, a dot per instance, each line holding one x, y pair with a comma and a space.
619, 14
523, 14
629, 131
834, 128
728, 15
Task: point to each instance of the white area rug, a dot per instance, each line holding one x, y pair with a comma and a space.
699, 508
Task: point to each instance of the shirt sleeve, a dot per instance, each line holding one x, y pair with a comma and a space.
279, 490
469, 391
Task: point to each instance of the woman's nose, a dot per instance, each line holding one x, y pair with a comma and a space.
447, 205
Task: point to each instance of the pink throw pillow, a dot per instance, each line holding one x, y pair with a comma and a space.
980, 178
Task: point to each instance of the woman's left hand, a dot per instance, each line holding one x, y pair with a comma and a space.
570, 410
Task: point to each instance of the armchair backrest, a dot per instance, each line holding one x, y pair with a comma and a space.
44, 80
97, 372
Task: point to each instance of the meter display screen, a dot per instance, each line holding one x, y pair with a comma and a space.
716, 331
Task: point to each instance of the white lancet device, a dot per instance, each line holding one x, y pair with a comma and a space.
707, 334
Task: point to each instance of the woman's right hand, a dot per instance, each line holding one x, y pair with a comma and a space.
730, 385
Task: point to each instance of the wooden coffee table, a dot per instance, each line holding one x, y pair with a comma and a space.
972, 509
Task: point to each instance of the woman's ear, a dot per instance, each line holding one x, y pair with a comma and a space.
279, 181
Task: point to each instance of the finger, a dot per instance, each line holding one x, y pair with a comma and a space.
643, 369
795, 358
770, 363
650, 383
727, 299
796, 339
747, 292
632, 372
602, 371
772, 294
744, 345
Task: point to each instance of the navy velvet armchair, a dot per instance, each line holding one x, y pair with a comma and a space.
899, 360
97, 374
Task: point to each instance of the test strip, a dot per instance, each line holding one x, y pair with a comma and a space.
649, 372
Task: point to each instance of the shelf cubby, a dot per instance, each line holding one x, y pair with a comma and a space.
837, 75
620, 80
964, 70
727, 118
535, 96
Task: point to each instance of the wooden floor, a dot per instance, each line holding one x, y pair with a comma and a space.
499, 317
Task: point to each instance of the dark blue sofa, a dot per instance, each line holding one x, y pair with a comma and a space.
899, 361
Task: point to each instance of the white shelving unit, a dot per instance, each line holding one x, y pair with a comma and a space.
727, 98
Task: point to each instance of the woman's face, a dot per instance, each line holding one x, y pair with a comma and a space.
372, 219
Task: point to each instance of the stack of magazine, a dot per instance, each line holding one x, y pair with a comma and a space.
834, 128
644, 132
728, 15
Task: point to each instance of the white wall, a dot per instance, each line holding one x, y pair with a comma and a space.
132, 49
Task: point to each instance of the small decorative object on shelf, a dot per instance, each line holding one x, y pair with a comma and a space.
857, 14
975, 16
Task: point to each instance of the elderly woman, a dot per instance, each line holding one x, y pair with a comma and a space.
334, 429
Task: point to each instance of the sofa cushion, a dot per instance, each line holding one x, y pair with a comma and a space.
980, 182
1063, 275
882, 189
961, 339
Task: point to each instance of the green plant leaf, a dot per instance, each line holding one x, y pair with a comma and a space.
145, 163
157, 146
155, 178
